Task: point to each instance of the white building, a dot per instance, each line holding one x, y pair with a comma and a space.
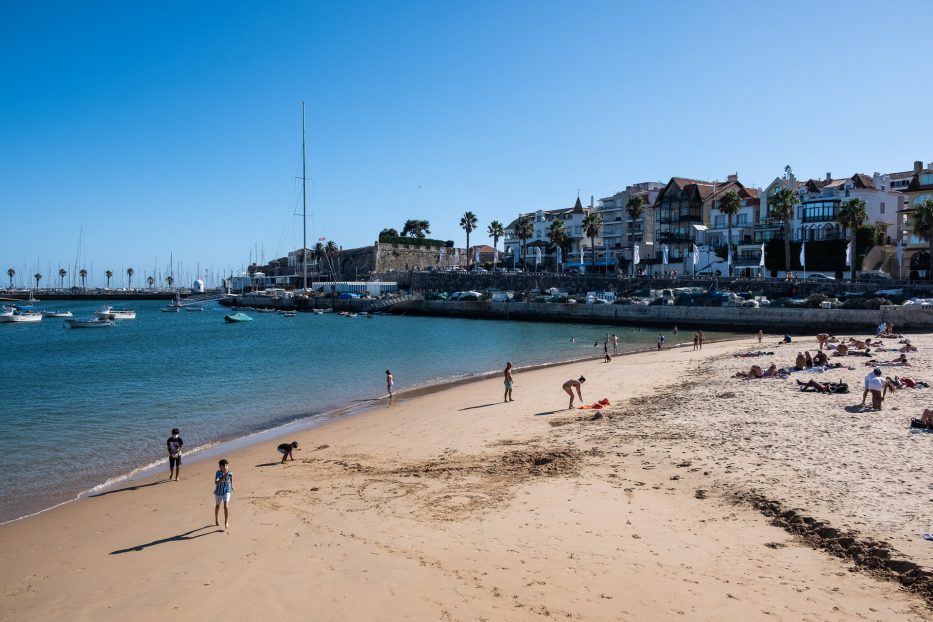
621, 232
578, 242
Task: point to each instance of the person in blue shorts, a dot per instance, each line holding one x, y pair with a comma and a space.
223, 487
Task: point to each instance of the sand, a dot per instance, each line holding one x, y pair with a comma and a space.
456, 506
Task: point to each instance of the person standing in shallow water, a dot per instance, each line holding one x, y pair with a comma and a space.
508, 382
390, 383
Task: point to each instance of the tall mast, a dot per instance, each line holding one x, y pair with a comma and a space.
304, 205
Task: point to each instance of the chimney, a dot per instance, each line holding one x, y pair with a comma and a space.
829, 176
918, 166
591, 201
876, 180
734, 177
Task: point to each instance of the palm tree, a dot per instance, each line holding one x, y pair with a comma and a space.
318, 254
330, 250
61, 277
730, 204
109, 275
922, 220
170, 280
83, 274
782, 208
557, 234
851, 215
129, 278
524, 227
592, 224
468, 224
495, 230
150, 281
11, 273
37, 277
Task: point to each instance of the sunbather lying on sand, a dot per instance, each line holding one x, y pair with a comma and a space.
906, 382
900, 361
907, 347
823, 387
755, 372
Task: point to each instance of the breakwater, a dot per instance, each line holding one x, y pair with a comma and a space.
915, 318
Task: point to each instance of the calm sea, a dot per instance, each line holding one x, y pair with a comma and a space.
81, 408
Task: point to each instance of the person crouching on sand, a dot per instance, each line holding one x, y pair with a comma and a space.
286, 450
572, 384
223, 487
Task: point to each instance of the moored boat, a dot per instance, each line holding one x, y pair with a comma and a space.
22, 317
58, 314
289, 313
237, 317
109, 313
89, 323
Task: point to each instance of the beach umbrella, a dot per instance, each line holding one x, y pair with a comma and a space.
664, 251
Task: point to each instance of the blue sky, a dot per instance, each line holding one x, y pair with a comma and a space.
135, 131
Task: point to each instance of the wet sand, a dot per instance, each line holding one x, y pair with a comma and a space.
456, 506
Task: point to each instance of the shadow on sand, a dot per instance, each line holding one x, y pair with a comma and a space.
858, 408
480, 406
554, 412
265, 464
179, 538
129, 488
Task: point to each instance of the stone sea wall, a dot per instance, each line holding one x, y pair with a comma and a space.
793, 321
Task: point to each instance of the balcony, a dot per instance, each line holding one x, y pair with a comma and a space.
666, 236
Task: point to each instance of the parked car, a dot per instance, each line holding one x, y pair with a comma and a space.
819, 276
874, 275
479, 270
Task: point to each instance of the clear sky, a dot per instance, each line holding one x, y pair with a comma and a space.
135, 131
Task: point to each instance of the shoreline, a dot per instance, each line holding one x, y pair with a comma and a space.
454, 505
302, 423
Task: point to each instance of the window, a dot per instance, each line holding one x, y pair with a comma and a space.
720, 222
742, 220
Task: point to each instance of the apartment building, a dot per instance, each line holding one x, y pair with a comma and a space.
621, 232
578, 242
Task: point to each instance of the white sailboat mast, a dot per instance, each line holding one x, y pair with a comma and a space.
304, 205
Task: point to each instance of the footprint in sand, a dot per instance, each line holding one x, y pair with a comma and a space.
377, 490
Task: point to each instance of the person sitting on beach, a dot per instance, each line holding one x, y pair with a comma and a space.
808, 361
754, 372
842, 350
907, 347
820, 358
800, 362
927, 418
286, 450
771, 372
572, 384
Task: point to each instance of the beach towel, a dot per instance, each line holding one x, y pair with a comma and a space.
600, 404
918, 425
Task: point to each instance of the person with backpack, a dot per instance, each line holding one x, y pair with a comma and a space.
174, 445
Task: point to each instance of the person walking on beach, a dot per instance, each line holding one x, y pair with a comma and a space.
700, 335
508, 382
390, 382
572, 384
660, 341
615, 344
174, 445
761, 334
696, 341
286, 450
223, 487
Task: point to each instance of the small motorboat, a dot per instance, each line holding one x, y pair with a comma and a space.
192, 307
109, 313
237, 317
22, 317
289, 313
89, 323
265, 310
57, 314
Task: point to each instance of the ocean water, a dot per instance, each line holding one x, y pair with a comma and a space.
83, 407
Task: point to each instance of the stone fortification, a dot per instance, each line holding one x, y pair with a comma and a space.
358, 263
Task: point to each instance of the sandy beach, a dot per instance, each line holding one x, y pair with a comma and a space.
695, 495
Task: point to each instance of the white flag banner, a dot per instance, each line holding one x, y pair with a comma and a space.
664, 251
696, 255
476, 255
636, 255
803, 254
729, 256
849, 254
559, 254
537, 255
762, 261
